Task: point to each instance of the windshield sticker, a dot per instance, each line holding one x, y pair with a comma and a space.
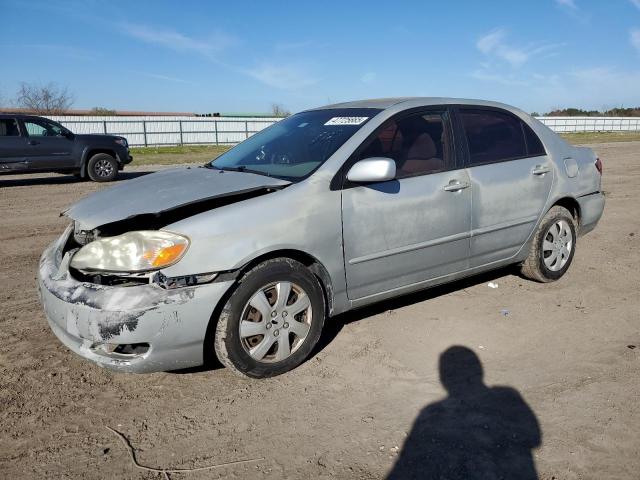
347, 121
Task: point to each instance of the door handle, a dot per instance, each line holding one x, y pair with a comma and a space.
540, 170
456, 186
33, 142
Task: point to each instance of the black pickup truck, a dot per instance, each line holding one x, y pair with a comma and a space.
35, 144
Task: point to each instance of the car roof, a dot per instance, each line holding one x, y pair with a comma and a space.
411, 102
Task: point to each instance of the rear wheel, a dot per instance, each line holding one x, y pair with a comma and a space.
102, 167
553, 247
272, 321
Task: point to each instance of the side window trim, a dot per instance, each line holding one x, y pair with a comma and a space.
465, 142
340, 182
23, 128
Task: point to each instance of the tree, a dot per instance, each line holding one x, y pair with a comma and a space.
103, 112
278, 110
48, 99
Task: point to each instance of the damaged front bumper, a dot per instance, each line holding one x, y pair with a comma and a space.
140, 328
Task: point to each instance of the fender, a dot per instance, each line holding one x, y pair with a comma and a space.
87, 149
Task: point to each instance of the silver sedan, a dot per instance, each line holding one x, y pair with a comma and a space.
328, 210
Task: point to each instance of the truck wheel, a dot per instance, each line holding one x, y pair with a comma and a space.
102, 167
553, 247
272, 321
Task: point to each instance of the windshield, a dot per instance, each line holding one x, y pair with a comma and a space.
296, 146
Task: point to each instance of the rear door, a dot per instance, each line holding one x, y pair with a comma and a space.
12, 146
413, 229
48, 148
511, 178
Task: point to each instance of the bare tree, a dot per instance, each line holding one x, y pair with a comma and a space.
44, 99
278, 110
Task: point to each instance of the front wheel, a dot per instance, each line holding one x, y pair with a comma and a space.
552, 248
102, 167
272, 321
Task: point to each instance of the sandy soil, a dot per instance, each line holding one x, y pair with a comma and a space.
565, 350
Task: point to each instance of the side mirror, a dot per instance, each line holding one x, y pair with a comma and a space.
374, 169
67, 133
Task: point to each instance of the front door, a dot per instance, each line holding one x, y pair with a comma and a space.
47, 147
415, 228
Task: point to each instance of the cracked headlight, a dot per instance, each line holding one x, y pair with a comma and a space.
140, 251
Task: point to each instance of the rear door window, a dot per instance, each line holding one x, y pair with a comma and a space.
9, 128
492, 136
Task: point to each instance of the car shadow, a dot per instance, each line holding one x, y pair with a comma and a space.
34, 179
334, 325
475, 432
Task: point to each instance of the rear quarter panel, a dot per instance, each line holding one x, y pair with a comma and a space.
575, 177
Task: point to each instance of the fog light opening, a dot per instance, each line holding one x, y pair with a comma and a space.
132, 348
121, 349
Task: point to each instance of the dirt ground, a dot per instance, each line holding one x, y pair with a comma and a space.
565, 350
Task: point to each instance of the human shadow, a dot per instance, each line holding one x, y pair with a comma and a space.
476, 432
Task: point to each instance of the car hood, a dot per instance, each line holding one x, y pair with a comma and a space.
164, 191
96, 136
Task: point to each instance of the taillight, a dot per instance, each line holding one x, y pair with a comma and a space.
599, 165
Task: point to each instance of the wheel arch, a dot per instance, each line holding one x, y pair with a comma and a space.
313, 264
90, 152
570, 204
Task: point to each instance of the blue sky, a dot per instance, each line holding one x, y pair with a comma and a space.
243, 56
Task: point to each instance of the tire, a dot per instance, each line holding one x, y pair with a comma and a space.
102, 167
561, 241
268, 332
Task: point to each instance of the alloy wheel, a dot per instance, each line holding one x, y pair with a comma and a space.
275, 321
557, 245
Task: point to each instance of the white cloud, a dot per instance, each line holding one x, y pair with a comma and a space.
281, 76
571, 4
571, 8
636, 3
369, 77
597, 87
285, 77
168, 78
634, 36
494, 44
177, 41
